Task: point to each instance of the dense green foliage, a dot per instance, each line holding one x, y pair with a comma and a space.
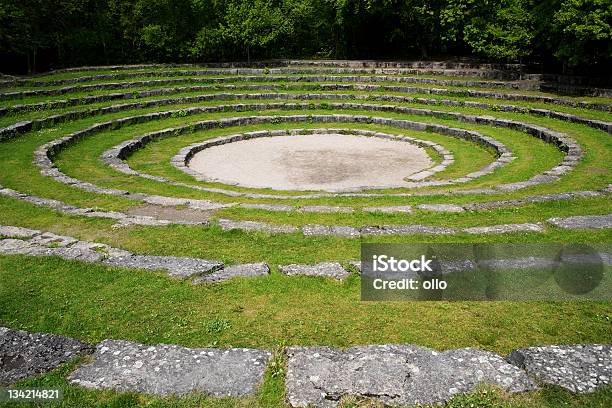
39, 34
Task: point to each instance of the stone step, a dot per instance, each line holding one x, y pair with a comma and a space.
245, 271
173, 370
326, 269
583, 222
315, 376
580, 368
24, 354
394, 374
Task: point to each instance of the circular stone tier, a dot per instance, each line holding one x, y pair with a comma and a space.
328, 162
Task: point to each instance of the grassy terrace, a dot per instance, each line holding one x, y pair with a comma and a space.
182, 72
94, 302
229, 79
462, 167
304, 80
242, 87
362, 97
596, 173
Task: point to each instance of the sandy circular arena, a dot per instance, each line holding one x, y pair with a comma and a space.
327, 162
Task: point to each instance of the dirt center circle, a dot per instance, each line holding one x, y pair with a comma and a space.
328, 162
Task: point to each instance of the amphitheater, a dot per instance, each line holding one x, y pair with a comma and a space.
202, 226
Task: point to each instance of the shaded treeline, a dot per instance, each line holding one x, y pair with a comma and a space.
564, 34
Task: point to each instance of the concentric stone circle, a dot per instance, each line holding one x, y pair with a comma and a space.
113, 149
122, 151
324, 76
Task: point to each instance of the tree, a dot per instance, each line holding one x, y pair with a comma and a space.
28, 27
503, 33
52, 33
419, 23
15, 32
498, 29
253, 24
584, 29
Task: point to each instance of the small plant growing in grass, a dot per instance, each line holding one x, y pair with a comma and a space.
482, 398
217, 326
277, 365
266, 71
179, 114
324, 105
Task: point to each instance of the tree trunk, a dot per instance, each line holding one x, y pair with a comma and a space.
104, 51
248, 55
424, 53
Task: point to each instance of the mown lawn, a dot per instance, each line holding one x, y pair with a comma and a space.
92, 302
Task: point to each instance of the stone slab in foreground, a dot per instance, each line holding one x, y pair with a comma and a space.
394, 374
168, 369
24, 354
577, 368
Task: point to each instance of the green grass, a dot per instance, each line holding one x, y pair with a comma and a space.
154, 75
94, 302
518, 170
155, 157
185, 71
229, 79
242, 87
82, 159
236, 246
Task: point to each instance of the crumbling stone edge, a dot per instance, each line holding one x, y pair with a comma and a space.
315, 376
573, 152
